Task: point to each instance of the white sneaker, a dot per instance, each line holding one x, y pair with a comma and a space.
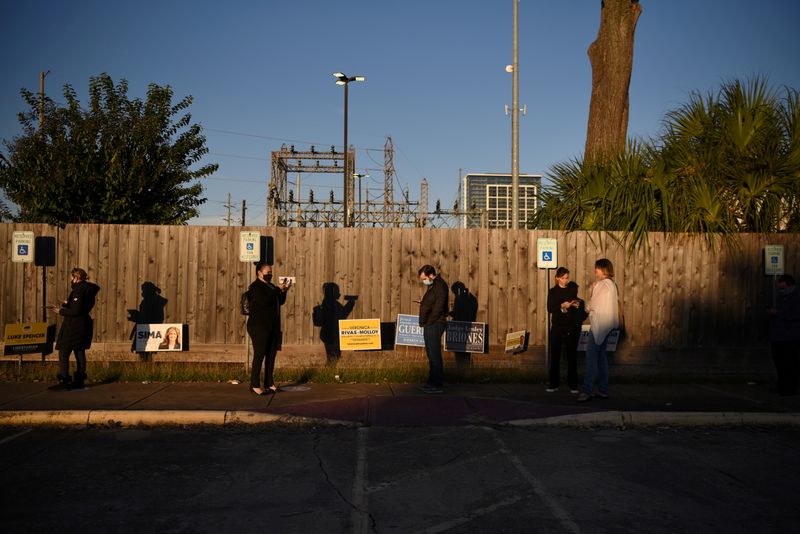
551, 390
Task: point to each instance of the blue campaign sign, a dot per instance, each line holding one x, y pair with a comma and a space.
464, 336
409, 332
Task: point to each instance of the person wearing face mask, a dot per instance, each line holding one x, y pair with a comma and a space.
264, 326
784, 335
433, 319
76, 331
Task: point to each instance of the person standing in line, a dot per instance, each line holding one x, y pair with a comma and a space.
566, 315
603, 311
784, 335
75, 335
264, 326
433, 319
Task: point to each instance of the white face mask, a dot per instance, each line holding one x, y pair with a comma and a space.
428, 282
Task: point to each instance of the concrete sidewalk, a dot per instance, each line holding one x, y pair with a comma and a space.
393, 404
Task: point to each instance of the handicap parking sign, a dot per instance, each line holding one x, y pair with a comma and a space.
22, 247
546, 253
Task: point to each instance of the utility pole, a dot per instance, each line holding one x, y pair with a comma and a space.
42, 75
228, 219
244, 211
515, 125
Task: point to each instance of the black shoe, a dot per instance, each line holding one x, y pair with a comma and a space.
77, 383
63, 383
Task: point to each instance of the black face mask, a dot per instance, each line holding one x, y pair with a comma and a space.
268, 278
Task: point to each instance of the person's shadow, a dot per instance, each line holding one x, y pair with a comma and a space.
465, 308
327, 315
151, 311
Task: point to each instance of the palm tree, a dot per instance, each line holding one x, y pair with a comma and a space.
725, 163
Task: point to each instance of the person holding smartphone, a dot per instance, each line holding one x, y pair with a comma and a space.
566, 315
264, 326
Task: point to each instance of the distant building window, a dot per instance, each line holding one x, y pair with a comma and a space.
489, 199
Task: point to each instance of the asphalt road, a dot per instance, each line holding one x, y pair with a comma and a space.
373, 479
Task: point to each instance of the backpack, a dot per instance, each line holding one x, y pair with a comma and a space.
244, 303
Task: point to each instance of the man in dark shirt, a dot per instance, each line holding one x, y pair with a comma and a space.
433, 319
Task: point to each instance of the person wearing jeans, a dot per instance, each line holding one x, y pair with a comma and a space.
433, 319
603, 308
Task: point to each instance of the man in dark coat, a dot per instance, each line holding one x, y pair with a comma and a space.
76, 329
433, 320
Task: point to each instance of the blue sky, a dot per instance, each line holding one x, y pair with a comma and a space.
435, 75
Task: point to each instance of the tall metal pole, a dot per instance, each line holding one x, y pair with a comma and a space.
345, 203
42, 75
515, 126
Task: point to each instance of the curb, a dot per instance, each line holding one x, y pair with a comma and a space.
157, 418
622, 419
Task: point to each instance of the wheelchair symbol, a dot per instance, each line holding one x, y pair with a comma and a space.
250, 246
22, 250
547, 255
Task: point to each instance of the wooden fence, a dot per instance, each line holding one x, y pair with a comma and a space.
680, 296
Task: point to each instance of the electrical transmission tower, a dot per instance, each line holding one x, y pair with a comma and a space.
286, 207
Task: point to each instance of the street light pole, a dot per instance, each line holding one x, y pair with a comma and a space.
515, 126
342, 79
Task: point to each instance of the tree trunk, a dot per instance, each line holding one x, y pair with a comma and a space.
611, 56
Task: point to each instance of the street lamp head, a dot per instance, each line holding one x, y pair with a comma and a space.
360, 78
338, 75
341, 81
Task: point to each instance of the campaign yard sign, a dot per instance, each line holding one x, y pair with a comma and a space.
516, 342
464, 336
25, 338
583, 340
360, 334
408, 331
160, 337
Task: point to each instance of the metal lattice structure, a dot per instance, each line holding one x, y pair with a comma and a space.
281, 210
286, 208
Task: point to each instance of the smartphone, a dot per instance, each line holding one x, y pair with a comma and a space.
286, 280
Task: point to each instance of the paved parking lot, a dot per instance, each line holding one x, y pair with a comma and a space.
394, 479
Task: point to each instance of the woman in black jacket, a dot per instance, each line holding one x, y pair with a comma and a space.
567, 312
76, 330
264, 326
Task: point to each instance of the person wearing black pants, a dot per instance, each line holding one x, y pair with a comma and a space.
566, 314
264, 326
433, 319
784, 335
76, 330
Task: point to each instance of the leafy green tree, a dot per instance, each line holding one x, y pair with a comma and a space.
725, 163
119, 160
5, 213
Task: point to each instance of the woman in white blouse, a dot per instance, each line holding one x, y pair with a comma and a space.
603, 317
